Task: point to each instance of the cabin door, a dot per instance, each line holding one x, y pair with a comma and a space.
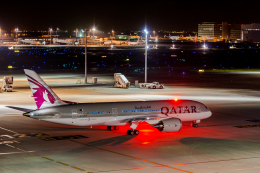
114, 112
74, 113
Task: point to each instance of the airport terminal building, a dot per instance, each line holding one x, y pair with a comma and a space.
216, 32
250, 33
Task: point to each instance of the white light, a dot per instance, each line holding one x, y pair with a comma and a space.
93, 29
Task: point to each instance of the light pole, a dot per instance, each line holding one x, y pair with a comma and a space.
86, 56
145, 70
57, 31
77, 32
50, 35
93, 31
16, 36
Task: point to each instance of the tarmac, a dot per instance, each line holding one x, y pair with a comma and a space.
226, 142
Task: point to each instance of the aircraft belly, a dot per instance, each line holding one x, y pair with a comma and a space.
92, 121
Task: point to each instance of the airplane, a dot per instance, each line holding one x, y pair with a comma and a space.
165, 115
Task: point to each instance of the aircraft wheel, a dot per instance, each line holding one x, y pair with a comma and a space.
130, 132
116, 128
109, 128
136, 132
195, 125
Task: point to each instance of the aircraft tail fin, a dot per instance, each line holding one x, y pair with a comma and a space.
43, 95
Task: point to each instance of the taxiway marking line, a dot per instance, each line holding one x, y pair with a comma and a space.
216, 161
63, 163
74, 167
8, 130
134, 157
175, 165
78, 168
248, 126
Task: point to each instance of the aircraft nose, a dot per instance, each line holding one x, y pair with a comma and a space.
208, 114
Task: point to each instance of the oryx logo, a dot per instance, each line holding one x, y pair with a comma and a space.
41, 94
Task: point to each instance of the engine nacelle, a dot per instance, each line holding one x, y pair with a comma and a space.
169, 125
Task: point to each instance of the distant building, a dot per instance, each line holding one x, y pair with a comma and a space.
235, 33
250, 33
225, 27
209, 31
214, 32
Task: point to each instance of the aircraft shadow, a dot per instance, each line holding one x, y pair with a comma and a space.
99, 143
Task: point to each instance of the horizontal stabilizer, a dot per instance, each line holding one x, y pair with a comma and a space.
69, 102
20, 109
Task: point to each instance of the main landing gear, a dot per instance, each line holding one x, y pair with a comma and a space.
112, 128
133, 127
133, 132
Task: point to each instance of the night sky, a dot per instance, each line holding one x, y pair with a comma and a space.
124, 15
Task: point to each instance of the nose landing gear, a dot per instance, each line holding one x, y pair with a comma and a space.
195, 123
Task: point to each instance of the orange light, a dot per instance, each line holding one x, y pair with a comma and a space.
176, 100
144, 143
146, 130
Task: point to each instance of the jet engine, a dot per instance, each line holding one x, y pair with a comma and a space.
169, 125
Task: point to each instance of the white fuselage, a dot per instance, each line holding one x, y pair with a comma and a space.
121, 113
